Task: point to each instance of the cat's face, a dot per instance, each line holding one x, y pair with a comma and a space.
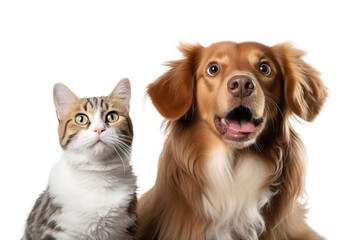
95, 126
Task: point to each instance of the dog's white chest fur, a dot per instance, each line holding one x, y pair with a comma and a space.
235, 196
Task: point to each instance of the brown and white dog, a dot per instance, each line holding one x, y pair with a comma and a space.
232, 166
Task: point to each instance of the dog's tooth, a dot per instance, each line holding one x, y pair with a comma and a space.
223, 121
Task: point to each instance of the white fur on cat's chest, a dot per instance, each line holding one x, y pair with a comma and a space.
86, 198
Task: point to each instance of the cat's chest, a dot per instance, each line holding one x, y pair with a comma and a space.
88, 203
95, 223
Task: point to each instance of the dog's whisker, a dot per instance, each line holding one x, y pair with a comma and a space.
277, 108
266, 92
271, 117
257, 148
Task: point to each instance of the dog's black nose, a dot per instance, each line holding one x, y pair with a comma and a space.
241, 86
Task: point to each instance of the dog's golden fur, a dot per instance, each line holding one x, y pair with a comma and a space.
210, 187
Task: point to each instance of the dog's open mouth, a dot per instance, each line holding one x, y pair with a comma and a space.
237, 124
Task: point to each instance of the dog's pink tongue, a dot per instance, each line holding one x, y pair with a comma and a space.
243, 126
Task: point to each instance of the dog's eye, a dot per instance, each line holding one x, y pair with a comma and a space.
213, 69
265, 69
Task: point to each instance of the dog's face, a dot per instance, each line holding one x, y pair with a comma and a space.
234, 84
240, 88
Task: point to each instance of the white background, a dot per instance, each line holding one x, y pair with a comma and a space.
91, 45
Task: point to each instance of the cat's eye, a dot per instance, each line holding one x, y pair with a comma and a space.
81, 119
112, 117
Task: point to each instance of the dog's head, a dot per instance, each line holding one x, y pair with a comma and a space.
239, 88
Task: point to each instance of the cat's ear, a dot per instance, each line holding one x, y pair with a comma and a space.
122, 91
63, 97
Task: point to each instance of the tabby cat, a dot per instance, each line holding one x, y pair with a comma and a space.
91, 192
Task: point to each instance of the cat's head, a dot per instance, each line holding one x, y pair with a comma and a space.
98, 126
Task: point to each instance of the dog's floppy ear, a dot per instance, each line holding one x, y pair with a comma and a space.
172, 93
305, 92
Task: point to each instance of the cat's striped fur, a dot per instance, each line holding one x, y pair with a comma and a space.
92, 191
68, 129
40, 221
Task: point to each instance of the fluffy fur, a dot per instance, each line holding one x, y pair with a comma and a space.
232, 167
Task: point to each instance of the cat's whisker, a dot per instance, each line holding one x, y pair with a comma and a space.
120, 159
119, 142
126, 153
123, 139
124, 146
124, 135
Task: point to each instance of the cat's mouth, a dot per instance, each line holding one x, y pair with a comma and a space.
99, 146
99, 142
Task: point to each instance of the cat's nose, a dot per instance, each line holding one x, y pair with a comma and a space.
99, 130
